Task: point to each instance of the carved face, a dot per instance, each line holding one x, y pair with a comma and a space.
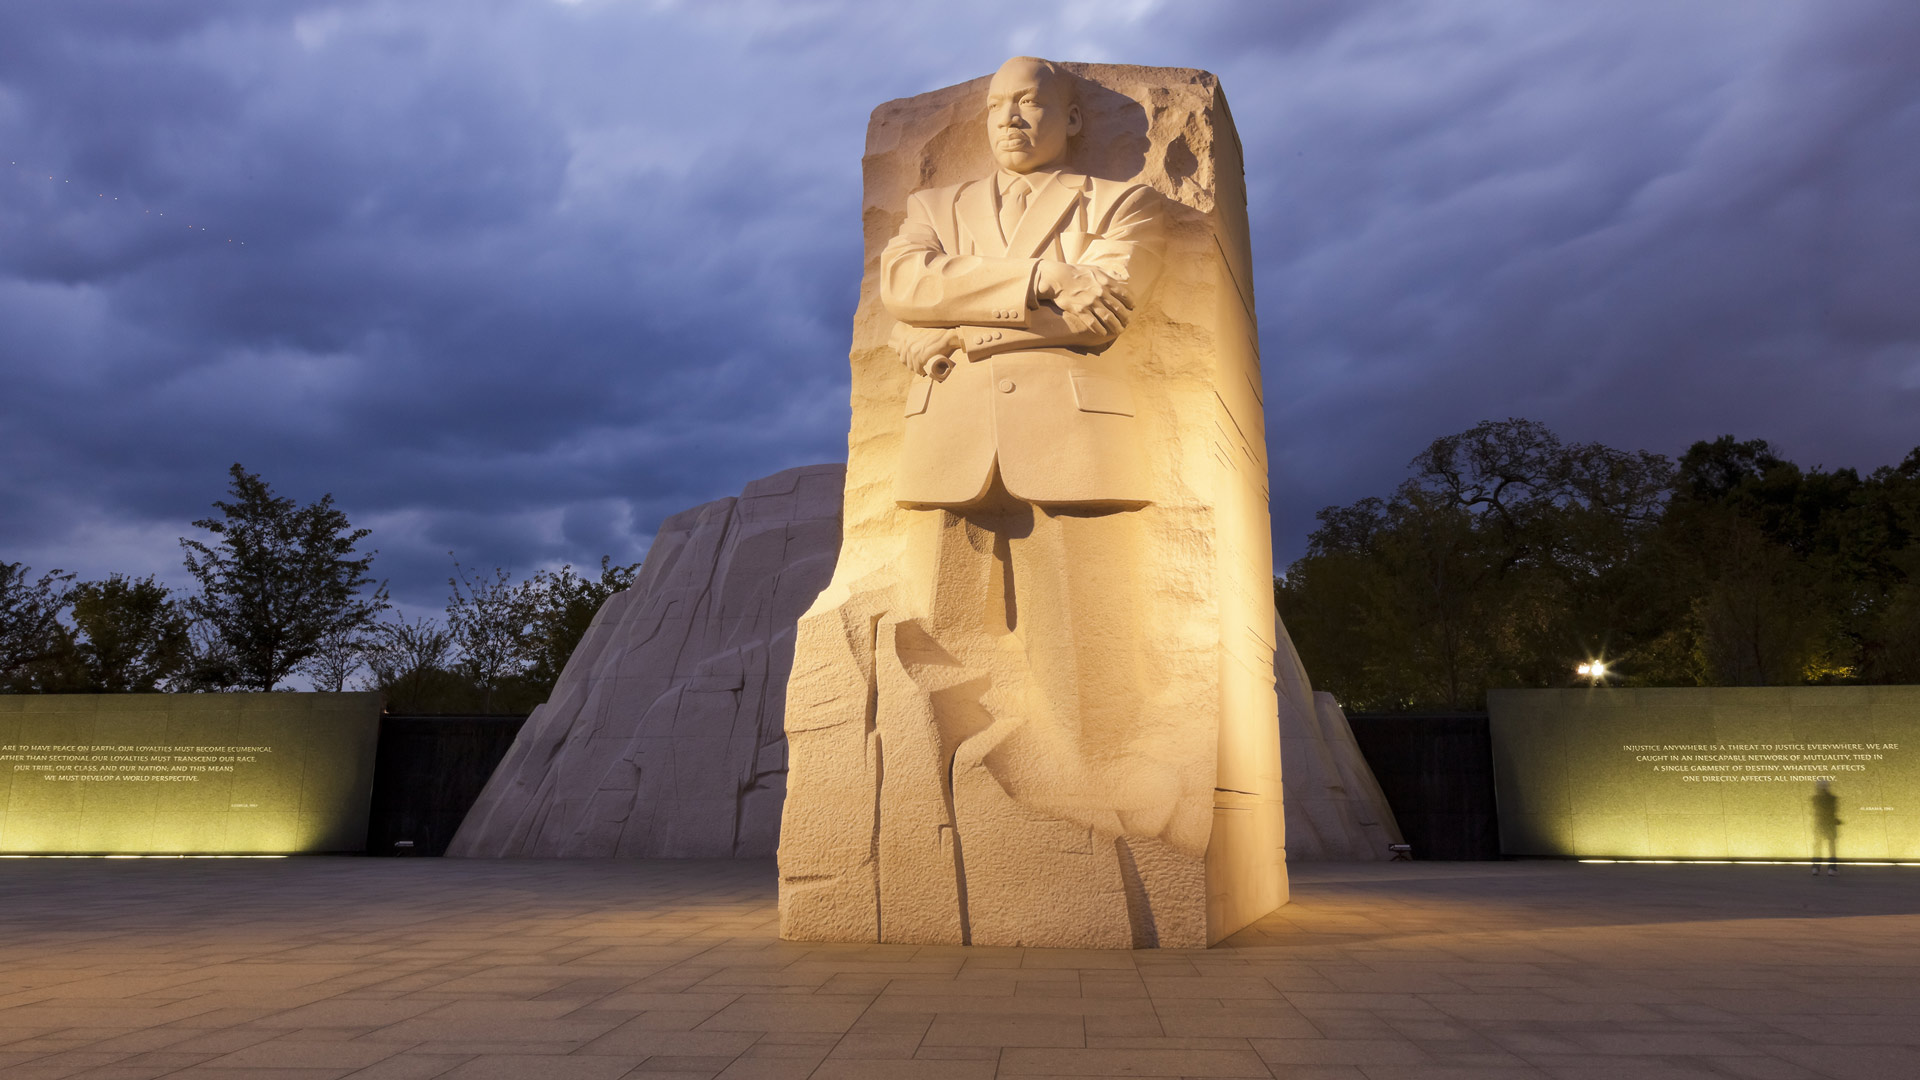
1030, 116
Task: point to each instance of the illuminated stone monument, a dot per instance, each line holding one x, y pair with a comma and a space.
1036, 703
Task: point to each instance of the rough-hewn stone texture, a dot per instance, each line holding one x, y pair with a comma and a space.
940, 790
1335, 809
663, 736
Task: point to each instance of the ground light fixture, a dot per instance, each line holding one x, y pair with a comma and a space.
1591, 669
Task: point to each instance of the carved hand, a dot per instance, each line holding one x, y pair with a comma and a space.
920, 347
1089, 298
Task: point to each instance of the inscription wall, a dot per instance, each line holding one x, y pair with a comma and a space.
1711, 772
186, 773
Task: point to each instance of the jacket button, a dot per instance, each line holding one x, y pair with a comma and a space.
1006, 386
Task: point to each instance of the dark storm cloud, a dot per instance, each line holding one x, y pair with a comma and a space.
483, 307
1642, 224
518, 279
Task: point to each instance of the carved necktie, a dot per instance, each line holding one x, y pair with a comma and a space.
1012, 205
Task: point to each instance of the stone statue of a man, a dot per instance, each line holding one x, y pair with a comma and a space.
1006, 289
1035, 705
1020, 453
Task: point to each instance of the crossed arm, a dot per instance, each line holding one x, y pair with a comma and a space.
979, 305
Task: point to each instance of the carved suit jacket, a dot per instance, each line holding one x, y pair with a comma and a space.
1032, 396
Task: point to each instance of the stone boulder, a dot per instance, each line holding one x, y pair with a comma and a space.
663, 736
1335, 809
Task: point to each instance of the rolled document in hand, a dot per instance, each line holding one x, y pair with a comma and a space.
939, 366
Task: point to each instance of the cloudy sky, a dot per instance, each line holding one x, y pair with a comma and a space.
517, 279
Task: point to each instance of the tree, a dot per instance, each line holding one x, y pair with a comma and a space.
407, 661
1711, 471
491, 625
131, 635
278, 579
1893, 653
1508, 556
1796, 575
513, 639
1505, 557
562, 604
31, 637
341, 652
210, 664
1765, 619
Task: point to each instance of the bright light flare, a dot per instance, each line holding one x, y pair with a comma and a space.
1591, 669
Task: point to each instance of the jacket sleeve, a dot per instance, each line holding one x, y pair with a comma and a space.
922, 284
1130, 248
1046, 328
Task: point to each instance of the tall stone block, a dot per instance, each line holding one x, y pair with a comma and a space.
1035, 705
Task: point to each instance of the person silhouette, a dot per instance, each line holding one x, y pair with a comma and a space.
1826, 826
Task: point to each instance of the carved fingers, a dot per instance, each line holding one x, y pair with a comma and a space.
1090, 299
1109, 315
924, 349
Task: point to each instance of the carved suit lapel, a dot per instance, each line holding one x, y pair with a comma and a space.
1045, 213
979, 222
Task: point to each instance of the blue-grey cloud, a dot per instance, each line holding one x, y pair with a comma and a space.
517, 279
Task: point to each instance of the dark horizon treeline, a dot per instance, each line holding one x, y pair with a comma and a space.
1509, 557
1504, 560
283, 591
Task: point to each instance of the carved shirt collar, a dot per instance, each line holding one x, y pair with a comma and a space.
1007, 179
1039, 179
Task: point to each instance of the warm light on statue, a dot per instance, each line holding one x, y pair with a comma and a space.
1035, 705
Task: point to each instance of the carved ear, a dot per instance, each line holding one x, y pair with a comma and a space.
1073, 120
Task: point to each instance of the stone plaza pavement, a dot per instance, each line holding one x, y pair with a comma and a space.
412, 968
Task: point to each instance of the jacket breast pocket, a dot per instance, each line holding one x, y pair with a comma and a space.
1097, 393
917, 396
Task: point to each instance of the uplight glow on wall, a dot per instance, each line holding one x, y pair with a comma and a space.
1706, 773
185, 774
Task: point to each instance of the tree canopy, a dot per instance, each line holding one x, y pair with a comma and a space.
284, 590
505, 644
131, 635
277, 579
31, 637
1508, 556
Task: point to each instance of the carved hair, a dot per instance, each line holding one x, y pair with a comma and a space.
1056, 75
